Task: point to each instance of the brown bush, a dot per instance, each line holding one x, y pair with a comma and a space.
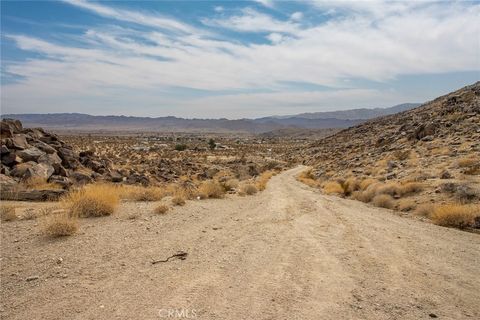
332, 187
179, 199
231, 184
351, 185
161, 209
364, 184
308, 178
59, 225
262, 180
455, 215
94, 200
248, 189
406, 205
424, 210
7, 213
409, 188
383, 201
211, 189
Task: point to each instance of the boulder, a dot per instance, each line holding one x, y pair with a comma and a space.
33, 195
30, 154
69, 158
11, 159
44, 147
20, 169
39, 170
7, 184
4, 149
19, 141
81, 178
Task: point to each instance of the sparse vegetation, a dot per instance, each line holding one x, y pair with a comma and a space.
383, 201
161, 209
180, 147
38, 183
211, 189
262, 180
332, 187
455, 215
59, 225
93, 200
7, 213
248, 189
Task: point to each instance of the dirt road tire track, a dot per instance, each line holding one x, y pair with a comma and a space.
286, 253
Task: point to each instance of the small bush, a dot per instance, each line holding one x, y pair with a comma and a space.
406, 205
211, 189
181, 147
262, 181
178, 199
383, 201
455, 215
424, 210
364, 184
331, 187
59, 225
231, 184
93, 200
308, 178
7, 213
161, 209
390, 188
351, 185
29, 214
410, 188
248, 189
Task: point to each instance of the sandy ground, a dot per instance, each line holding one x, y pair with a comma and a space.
287, 253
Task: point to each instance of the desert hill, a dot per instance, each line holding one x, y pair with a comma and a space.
436, 145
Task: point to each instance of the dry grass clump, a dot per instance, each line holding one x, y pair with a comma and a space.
406, 205
332, 187
262, 180
308, 178
59, 225
179, 198
384, 201
455, 215
364, 184
401, 154
7, 213
389, 188
410, 188
230, 184
161, 209
470, 165
94, 200
351, 185
424, 210
38, 183
248, 189
139, 193
211, 189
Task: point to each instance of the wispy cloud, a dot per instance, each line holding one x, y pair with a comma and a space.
110, 65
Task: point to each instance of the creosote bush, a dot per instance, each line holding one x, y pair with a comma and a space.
94, 200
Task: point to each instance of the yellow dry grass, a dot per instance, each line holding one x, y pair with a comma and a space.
248, 189
262, 180
308, 178
383, 201
94, 200
59, 225
455, 215
7, 213
161, 209
37, 183
211, 189
332, 187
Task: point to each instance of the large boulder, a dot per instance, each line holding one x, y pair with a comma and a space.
69, 158
30, 154
39, 170
19, 141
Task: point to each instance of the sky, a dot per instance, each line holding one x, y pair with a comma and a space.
232, 59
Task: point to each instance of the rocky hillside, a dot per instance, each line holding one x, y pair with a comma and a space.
37, 157
437, 144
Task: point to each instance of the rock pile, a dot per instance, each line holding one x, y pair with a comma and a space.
35, 154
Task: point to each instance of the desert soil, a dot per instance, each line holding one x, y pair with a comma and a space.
286, 253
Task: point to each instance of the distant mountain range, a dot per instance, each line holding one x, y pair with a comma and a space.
317, 120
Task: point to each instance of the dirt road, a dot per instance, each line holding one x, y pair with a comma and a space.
287, 253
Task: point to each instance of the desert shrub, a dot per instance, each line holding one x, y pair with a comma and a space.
29, 214
351, 185
180, 147
248, 189
230, 184
262, 180
466, 192
424, 210
406, 205
179, 198
138, 193
455, 215
59, 225
410, 187
7, 213
38, 183
308, 178
94, 200
161, 209
211, 189
383, 201
364, 184
389, 188
470, 165
331, 187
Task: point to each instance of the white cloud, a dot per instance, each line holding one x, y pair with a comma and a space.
296, 16
251, 20
266, 3
432, 38
218, 9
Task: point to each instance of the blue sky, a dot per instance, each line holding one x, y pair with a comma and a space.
232, 59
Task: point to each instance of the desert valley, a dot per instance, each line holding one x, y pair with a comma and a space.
240, 160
